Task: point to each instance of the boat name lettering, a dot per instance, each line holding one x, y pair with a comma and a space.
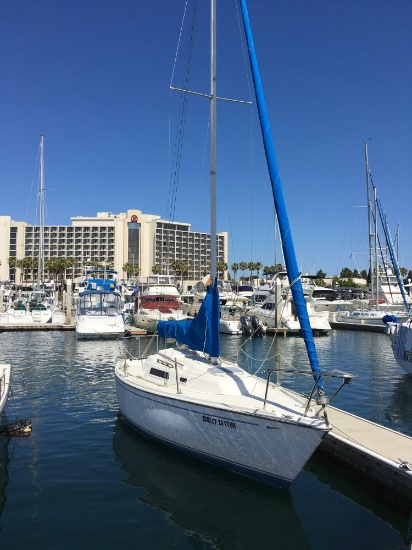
407, 357
219, 422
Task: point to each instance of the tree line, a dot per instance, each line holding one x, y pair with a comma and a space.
60, 267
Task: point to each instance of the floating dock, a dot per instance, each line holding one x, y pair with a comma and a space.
134, 331
37, 326
381, 454
360, 326
278, 330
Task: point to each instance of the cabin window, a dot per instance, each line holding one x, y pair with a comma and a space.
159, 373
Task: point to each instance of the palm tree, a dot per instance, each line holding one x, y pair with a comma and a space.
71, 263
157, 269
235, 269
243, 267
131, 269
25, 265
97, 264
258, 267
251, 268
33, 264
12, 266
51, 267
221, 268
180, 268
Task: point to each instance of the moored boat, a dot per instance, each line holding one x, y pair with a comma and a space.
188, 397
100, 309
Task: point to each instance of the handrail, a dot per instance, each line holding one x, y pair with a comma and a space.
322, 400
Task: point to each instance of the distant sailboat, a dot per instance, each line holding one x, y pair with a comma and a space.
39, 305
193, 400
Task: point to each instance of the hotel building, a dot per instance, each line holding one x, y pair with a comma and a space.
135, 238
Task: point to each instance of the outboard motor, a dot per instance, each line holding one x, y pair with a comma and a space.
246, 326
257, 326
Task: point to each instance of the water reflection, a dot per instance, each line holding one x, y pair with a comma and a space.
399, 412
4, 474
219, 509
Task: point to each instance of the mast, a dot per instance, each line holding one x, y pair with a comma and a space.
369, 206
283, 222
213, 271
376, 249
40, 267
392, 254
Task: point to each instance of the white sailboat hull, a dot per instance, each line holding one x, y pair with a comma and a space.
5, 373
233, 432
26, 318
401, 343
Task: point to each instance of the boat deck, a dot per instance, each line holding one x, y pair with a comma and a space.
240, 393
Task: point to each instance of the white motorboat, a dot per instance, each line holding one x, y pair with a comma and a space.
161, 285
279, 312
230, 319
190, 398
370, 317
153, 308
100, 309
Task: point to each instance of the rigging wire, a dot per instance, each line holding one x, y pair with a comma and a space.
175, 163
32, 184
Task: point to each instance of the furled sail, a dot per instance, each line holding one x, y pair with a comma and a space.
202, 332
284, 227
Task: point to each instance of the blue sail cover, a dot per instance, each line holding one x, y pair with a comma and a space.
174, 329
202, 332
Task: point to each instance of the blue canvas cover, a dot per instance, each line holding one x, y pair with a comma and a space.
202, 332
174, 329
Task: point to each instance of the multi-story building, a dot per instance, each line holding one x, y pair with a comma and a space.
134, 238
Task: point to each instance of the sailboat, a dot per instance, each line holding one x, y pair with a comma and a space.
38, 306
190, 398
387, 296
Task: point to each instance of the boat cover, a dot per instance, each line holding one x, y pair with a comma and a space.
202, 332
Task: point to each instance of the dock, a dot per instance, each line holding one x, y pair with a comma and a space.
36, 327
381, 454
134, 331
277, 330
353, 326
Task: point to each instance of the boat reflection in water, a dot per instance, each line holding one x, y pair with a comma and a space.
4, 473
218, 508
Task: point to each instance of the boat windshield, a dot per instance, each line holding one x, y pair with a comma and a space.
104, 303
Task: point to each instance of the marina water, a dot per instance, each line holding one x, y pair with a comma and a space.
84, 479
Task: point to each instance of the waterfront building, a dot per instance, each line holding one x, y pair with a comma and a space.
134, 238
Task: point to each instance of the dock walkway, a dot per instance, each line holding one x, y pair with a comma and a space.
382, 454
35, 326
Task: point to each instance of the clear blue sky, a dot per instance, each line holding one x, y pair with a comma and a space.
94, 75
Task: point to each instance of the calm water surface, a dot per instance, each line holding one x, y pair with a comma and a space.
84, 479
